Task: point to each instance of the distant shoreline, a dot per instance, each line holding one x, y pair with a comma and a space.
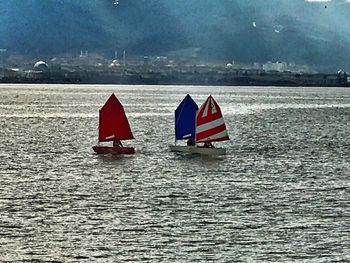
175, 76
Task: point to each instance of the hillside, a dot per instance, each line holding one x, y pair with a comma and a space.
244, 30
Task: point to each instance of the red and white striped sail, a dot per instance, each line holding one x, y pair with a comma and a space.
210, 125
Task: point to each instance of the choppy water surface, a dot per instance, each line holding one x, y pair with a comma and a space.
281, 194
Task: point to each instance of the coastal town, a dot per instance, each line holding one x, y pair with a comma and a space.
182, 67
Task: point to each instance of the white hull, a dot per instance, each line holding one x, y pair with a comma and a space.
180, 148
198, 150
208, 151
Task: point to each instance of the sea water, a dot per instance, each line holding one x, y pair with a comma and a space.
281, 194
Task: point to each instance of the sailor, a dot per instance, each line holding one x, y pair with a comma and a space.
191, 142
117, 143
208, 145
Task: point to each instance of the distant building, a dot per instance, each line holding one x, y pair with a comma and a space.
12, 73
277, 66
83, 55
257, 65
145, 60
41, 66
161, 61
115, 63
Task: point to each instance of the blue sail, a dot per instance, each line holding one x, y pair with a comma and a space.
185, 119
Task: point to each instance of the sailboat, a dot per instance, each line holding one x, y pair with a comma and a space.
113, 126
185, 120
210, 127
205, 125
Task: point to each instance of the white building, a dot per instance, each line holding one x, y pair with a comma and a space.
277, 66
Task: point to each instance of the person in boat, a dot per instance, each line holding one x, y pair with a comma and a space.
208, 145
191, 142
117, 143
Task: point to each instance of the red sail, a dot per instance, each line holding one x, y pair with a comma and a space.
210, 125
114, 124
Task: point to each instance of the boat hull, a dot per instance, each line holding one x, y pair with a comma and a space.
198, 150
180, 148
208, 151
113, 150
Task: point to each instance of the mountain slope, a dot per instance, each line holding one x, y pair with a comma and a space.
245, 30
